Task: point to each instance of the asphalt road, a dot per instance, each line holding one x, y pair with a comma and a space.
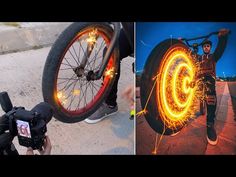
192, 138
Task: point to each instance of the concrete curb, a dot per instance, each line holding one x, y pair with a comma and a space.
26, 36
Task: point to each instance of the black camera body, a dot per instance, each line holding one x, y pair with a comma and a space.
29, 126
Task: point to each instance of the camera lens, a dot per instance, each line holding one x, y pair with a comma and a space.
45, 111
5, 102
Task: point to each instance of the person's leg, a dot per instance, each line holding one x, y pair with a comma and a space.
111, 99
211, 110
211, 100
124, 51
110, 106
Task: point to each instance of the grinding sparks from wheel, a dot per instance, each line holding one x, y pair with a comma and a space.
92, 37
109, 72
61, 96
175, 95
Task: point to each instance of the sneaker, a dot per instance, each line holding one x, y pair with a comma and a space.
103, 111
211, 135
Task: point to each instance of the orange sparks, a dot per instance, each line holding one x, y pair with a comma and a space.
110, 72
176, 93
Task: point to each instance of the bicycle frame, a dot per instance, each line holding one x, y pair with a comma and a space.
109, 50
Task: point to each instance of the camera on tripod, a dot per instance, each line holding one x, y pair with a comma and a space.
29, 126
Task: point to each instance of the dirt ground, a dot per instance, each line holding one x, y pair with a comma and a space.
21, 77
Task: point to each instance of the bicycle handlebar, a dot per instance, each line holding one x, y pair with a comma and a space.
201, 37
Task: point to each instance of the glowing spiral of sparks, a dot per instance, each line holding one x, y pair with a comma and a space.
176, 98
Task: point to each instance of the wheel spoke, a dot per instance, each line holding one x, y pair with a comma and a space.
76, 54
67, 83
101, 45
73, 96
81, 96
83, 49
95, 87
66, 69
68, 63
73, 57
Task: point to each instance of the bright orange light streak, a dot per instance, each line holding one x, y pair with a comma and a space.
175, 97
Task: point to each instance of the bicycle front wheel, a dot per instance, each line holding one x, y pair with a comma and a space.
65, 84
167, 97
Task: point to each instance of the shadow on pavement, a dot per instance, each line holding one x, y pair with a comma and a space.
122, 126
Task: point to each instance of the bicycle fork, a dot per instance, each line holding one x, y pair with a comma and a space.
97, 75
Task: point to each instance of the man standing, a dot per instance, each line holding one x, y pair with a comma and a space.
208, 73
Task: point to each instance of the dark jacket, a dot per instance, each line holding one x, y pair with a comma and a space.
208, 61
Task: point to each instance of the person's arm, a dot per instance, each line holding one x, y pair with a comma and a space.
223, 37
47, 147
128, 94
6, 138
